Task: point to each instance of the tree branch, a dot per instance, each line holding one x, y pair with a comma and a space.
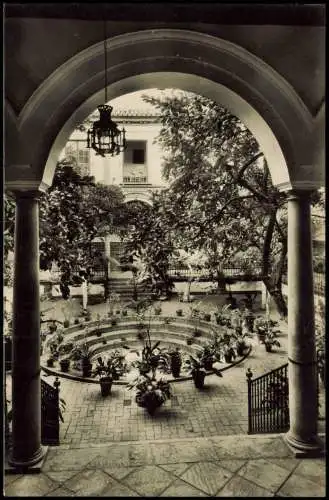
246, 165
217, 214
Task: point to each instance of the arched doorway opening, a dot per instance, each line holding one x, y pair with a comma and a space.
210, 66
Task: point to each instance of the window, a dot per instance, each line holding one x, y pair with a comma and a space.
138, 156
134, 166
77, 152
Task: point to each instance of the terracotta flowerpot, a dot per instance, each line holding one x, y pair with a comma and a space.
175, 369
50, 362
198, 379
86, 368
65, 365
240, 349
208, 362
151, 407
268, 347
106, 386
228, 358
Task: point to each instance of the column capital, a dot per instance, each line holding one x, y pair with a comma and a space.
23, 195
300, 194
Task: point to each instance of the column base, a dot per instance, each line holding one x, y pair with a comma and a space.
304, 449
33, 465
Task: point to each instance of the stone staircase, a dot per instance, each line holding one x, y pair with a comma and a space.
123, 286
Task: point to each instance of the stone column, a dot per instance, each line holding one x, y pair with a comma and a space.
26, 391
302, 435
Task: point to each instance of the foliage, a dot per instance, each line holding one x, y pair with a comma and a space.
194, 364
72, 213
270, 338
220, 199
148, 242
112, 366
150, 392
81, 351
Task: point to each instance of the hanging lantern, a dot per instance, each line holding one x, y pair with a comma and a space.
104, 136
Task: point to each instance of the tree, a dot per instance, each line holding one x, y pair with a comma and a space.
147, 240
221, 193
72, 213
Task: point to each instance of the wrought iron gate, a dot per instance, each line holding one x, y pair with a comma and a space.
50, 412
268, 402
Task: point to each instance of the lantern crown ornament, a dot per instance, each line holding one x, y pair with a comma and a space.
104, 135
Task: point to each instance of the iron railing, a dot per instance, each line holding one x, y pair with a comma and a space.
318, 282
268, 402
50, 411
228, 272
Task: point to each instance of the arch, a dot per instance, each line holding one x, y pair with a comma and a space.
142, 197
190, 60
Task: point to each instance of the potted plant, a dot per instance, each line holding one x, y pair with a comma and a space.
207, 356
179, 312
197, 332
270, 341
83, 353
223, 315
150, 393
260, 326
52, 326
64, 364
109, 369
207, 316
124, 312
194, 365
66, 323
76, 321
87, 314
114, 321
189, 341
240, 337
175, 362
228, 350
50, 361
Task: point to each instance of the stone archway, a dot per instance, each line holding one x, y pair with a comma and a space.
216, 68
201, 63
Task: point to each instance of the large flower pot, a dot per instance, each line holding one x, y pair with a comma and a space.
65, 365
240, 349
261, 334
86, 368
208, 362
198, 379
50, 362
106, 386
175, 370
151, 407
228, 358
268, 347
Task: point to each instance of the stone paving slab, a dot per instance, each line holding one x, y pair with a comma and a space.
244, 466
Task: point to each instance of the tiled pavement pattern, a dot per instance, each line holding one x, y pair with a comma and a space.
220, 409
231, 466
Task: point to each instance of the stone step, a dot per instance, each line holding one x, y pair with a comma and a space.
133, 343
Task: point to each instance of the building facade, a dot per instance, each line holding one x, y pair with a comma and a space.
136, 170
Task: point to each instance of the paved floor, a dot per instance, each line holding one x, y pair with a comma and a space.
196, 444
232, 466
